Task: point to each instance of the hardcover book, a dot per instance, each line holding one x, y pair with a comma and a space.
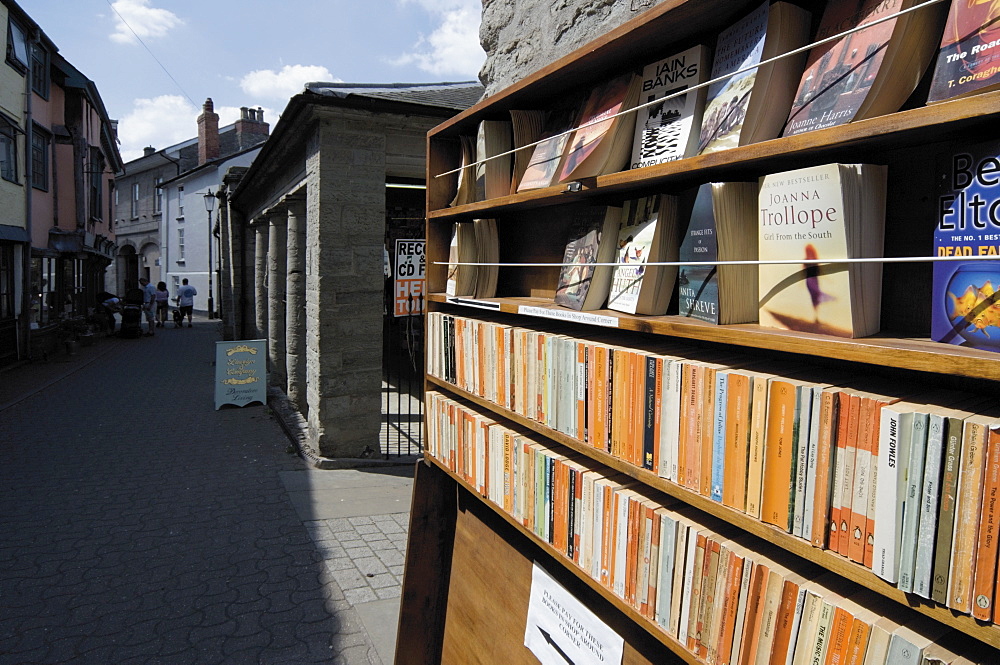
833, 211
750, 106
721, 228
968, 60
964, 299
866, 73
666, 131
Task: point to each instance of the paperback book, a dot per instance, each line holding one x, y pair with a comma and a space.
968, 60
866, 73
750, 106
832, 212
721, 228
964, 307
603, 138
647, 233
665, 131
592, 239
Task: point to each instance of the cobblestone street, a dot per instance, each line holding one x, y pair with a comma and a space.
139, 525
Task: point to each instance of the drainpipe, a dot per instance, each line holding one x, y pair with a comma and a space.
28, 189
165, 217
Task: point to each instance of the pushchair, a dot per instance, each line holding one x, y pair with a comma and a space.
132, 314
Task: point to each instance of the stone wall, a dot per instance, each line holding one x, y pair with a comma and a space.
522, 36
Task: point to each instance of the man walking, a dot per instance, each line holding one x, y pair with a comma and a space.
185, 300
148, 303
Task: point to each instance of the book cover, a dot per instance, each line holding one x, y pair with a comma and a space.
968, 60
667, 131
964, 299
698, 286
592, 232
547, 155
591, 148
635, 241
807, 214
738, 46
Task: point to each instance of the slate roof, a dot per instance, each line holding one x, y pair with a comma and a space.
458, 96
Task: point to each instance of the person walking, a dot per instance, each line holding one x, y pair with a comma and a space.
148, 303
162, 304
185, 300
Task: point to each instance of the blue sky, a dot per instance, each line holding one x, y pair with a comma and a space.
250, 53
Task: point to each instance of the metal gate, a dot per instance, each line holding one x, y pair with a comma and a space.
402, 336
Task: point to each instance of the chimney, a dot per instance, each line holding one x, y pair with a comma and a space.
208, 133
148, 150
251, 128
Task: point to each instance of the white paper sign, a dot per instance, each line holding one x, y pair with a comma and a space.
569, 315
561, 630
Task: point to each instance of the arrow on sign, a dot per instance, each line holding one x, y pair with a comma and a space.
548, 638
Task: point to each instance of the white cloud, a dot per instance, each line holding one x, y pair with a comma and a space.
283, 84
453, 47
147, 22
158, 122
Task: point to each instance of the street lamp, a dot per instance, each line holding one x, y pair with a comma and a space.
210, 208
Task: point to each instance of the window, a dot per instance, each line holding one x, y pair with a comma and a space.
157, 196
40, 70
72, 283
43, 291
17, 47
40, 159
96, 183
135, 201
8, 150
180, 245
6, 281
180, 201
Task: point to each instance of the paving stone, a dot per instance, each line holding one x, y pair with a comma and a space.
360, 595
382, 581
389, 592
369, 566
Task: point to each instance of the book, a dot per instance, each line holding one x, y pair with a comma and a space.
968, 59
461, 280
465, 191
984, 585
777, 500
867, 73
548, 154
964, 308
602, 140
647, 233
829, 414
750, 106
667, 131
526, 129
593, 236
721, 228
494, 141
833, 211
487, 255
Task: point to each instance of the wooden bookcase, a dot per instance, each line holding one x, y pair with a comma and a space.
469, 565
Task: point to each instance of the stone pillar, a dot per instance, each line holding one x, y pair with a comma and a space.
345, 211
295, 298
260, 277
276, 276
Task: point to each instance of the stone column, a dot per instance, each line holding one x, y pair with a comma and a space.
295, 298
260, 277
276, 276
345, 211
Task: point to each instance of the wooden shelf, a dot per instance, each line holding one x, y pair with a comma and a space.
651, 627
835, 563
927, 124
884, 350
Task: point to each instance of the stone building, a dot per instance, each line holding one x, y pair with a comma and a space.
303, 231
147, 216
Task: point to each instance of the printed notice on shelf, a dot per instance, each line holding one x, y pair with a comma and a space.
469, 302
569, 315
562, 630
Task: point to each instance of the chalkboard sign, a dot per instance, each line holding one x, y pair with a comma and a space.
240, 372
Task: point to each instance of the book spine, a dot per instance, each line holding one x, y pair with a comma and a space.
951, 462
778, 454
885, 546
824, 468
660, 366
967, 512
821, 646
985, 594
803, 419
706, 431
649, 413
672, 418
862, 475
911, 498
734, 485
924, 560
680, 573
719, 435
665, 572
850, 454
755, 457
809, 497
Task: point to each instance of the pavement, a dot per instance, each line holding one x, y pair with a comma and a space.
140, 525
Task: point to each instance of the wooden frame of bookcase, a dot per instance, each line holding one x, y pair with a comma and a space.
912, 134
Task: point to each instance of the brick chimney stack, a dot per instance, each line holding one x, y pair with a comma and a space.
251, 128
208, 133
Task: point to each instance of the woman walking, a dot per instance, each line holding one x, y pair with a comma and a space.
162, 304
